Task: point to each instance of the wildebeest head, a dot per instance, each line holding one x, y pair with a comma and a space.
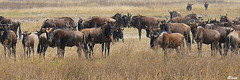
163, 26
125, 20
50, 36
224, 19
107, 28
194, 29
80, 26
133, 22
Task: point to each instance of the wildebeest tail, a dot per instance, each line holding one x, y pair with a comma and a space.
229, 42
20, 31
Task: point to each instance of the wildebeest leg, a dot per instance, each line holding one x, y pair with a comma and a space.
5, 51
220, 48
29, 52
78, 50
44, 51
102, 48
216, 47
58, 51
14, 52
108, 47
200, 48
39, 49
9, 51
24, 49
32, 50
63, 50
188, 41
139, 33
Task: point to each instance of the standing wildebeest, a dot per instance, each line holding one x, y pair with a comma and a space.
8, 39
189, 19
62, 38
207, 37
178, 28
100, 35
28, 41
233, 41
58, 23
189, 7
42, 43
14, 25
144, 22
172, 40
174, 14
206, 5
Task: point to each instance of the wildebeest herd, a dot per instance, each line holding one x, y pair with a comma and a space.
167, 34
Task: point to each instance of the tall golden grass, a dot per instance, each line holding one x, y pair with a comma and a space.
132, 59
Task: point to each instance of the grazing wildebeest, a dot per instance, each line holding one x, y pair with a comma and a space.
206, 5
233, 41
91, 22
189, 7
178, 28
144, 22
189, 19
28, 41
14, 25
100, 35
172, 40
174, 14
8, 40
42, 43
62, 38
207, 37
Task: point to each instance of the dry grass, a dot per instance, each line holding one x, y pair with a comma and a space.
132, 59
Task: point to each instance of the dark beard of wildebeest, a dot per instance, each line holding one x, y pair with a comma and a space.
174, 14
207, 37
14, 25
189, 19
233, 42
96, 21
42, 44
100, 35
28, 41
144, 22
189, 7
62, 38
206, 5
178, 28
58, 23
8, 40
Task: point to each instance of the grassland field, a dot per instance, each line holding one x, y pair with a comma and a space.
130, 60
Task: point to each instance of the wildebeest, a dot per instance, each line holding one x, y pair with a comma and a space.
224, 31
206, 5
225, 19
58, 23
8, 39
207, 37
62, 38
42, 43
233, 41
189, 19
100, 35
14, 25
178, 28
189, 7
172, 40
28, 41
144, 22
174, 14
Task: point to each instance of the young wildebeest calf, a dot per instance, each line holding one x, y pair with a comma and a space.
62, 38
28, 41
172, 40
8, 39
42, 43
207, 37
